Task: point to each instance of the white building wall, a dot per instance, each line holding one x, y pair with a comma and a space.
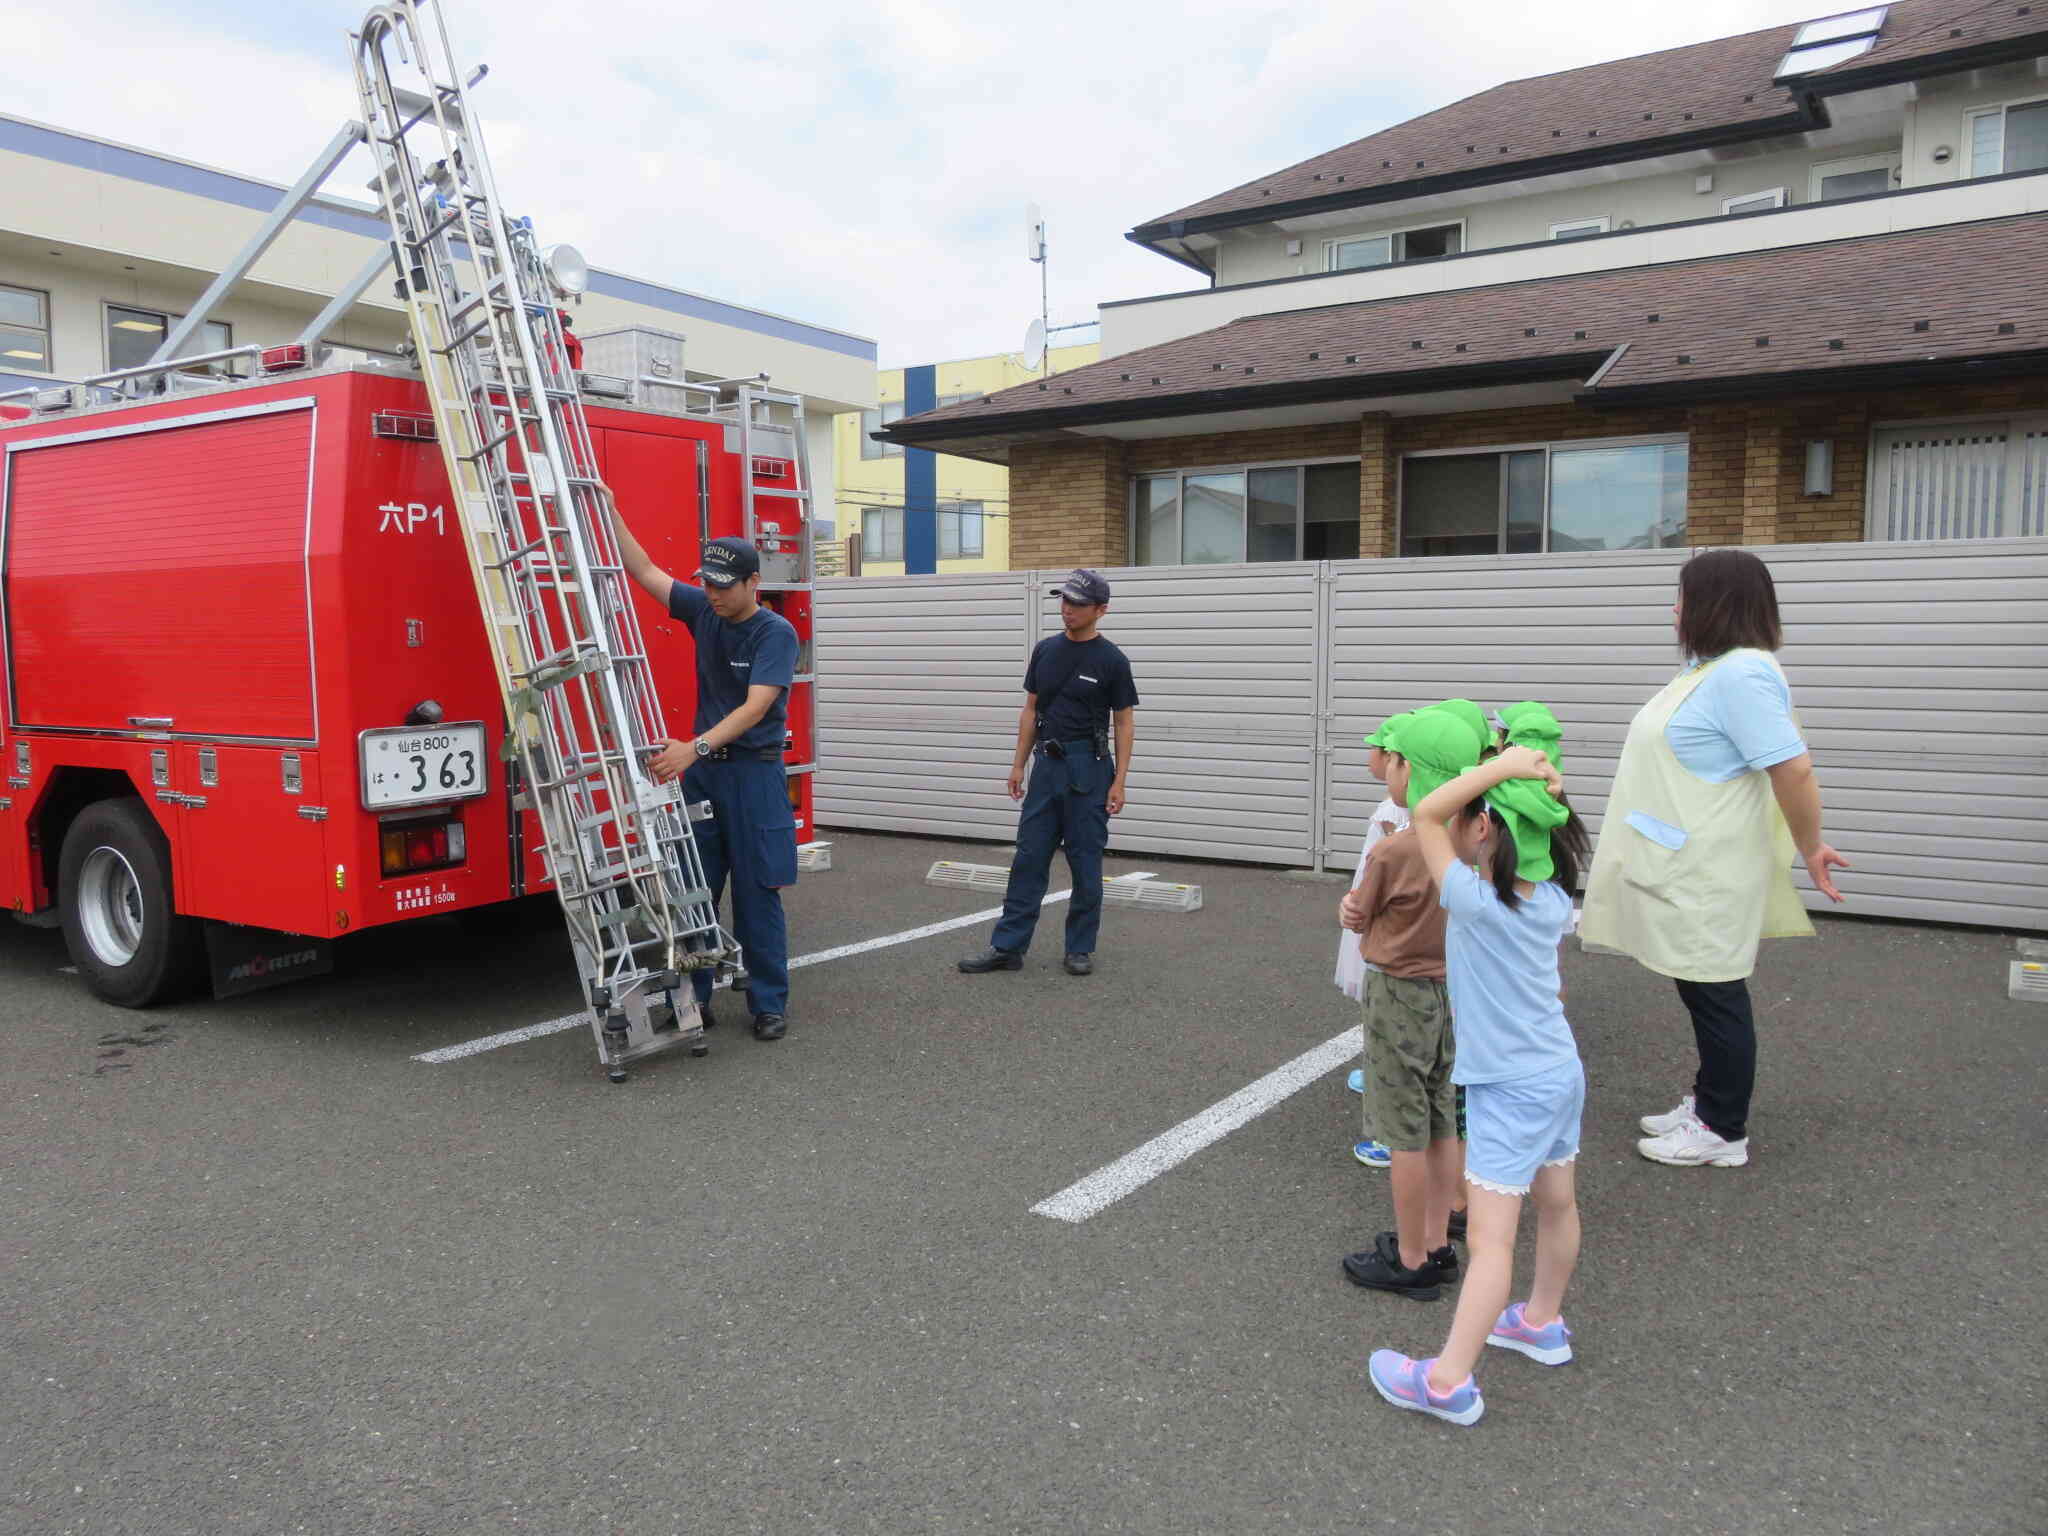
177, 224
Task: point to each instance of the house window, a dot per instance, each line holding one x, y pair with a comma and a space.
1853, 178
1257, 513
133, 335
1960, 480
972, 394
881, 533
2013, 137
1578, 229
1830, 40
960, 536
1397, 245
1754, 202
872, 421
24, 330
1557, 496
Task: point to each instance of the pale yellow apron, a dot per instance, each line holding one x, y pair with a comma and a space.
1689, 876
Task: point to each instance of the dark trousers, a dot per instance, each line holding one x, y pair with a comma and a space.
1726, 1031
751, 836
1066, 804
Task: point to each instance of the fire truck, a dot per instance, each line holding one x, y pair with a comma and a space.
252, 703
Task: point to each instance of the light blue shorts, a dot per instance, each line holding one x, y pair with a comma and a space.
1516, 1127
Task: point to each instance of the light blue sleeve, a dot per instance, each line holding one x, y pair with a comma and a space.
1463, 893
1738, 720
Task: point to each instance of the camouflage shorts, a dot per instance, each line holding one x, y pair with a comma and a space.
1409, 1099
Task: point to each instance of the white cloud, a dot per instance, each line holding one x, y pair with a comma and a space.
865, 169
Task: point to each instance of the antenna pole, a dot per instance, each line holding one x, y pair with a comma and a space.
1044, 314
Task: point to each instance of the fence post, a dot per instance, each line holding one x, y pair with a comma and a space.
1320, 788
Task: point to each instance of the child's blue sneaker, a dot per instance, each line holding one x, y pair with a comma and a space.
1372, 1154
1405, 1383
1356, 1081
1549, 1345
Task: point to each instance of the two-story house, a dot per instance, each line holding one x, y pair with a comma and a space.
1785, 287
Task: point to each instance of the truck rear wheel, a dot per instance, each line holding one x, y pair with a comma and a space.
121, 924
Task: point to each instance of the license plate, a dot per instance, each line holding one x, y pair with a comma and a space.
415, 767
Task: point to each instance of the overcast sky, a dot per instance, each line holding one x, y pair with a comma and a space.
859, 167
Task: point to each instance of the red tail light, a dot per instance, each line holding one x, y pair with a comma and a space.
407, 847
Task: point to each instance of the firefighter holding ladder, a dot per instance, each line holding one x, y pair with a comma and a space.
746, 661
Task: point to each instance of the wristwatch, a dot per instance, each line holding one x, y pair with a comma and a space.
704, 748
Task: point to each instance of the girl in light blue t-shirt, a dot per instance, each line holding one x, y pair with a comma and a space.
1506, 852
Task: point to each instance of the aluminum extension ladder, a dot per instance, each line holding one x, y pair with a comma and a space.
582, 716
778, 519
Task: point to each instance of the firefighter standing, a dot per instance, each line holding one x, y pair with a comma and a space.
746, 661
1076, 686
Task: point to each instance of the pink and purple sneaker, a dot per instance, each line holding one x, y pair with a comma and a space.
1548, 1345
1405, 1383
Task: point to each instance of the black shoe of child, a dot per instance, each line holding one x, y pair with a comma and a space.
1388, 1246
1458, 1226
1373, 1270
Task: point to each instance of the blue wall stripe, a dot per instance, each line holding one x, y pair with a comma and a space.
920, 478
153, 170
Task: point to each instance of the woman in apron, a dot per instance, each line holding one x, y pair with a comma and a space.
1714, 798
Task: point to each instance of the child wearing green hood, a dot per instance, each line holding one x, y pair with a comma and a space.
1516, 1057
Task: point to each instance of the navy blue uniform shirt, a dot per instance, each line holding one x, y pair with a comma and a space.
1078, 684
734, 657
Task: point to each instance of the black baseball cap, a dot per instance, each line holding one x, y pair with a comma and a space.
727, 561
1083, 586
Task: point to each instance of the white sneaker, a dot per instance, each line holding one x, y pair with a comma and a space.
1692, 1145
1670, 1120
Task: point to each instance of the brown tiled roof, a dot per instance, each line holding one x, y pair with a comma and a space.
1911, 46
1719, 91
1810, 315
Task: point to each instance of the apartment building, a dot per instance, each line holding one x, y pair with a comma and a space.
1777, 288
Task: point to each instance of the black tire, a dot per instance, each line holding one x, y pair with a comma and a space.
121, 923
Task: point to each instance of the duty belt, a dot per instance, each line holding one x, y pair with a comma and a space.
1058, 749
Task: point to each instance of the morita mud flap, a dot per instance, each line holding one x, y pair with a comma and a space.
250, 959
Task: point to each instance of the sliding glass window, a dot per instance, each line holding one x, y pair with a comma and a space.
1258, 513
1558, 496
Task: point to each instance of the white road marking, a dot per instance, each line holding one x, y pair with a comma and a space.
570, 1021
1110, 1183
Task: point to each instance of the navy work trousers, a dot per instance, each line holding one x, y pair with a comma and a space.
751, 837
1066, 804
1725, 1029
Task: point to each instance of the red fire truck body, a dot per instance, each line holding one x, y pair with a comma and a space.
230, 607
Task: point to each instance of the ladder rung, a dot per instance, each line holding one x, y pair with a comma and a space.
502, 438
762, 490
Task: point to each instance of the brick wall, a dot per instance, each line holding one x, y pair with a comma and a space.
1069, 499
1069, 503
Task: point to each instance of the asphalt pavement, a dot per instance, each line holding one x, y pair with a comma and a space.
266, 1272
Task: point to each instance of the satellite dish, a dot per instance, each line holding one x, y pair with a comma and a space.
1034, 344
1034, 232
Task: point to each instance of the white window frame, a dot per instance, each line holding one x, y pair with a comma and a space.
49, 328
1998, 111
1548, 447
1390, 236
2016, 423
957, 510
1596, 226
884, 513
1888, 161
872, 452
1244, 541
1777, 195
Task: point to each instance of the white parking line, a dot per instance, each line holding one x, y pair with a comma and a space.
570, 1021
1110, 1183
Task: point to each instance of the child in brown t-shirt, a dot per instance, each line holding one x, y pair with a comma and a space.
1410, 1101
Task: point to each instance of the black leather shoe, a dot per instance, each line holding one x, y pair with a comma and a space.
769, 1026
1388, 1246
1080, 965
1373, 1270
992, 959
